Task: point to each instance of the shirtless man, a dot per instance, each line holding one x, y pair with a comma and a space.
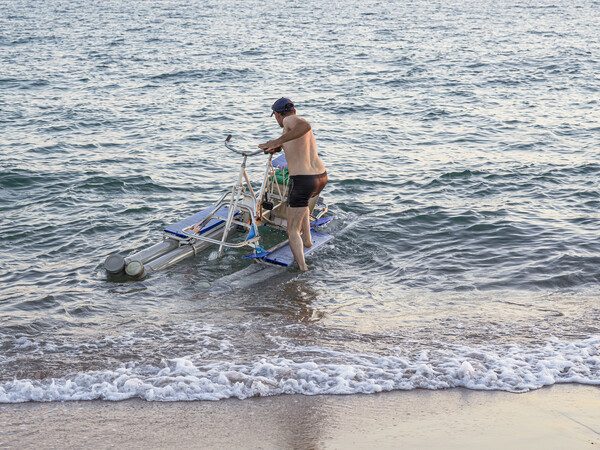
307, 173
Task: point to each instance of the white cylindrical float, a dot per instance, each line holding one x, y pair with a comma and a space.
115, 264
181, 253
153, 252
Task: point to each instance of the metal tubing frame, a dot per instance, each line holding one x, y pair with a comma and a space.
271, 191
233, 204
236, 201
159, 256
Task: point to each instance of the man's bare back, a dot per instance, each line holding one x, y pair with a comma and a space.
301, 153
307, 173
298, 142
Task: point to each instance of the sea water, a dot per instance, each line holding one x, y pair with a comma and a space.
461, 141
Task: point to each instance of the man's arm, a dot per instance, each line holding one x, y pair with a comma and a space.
293, 128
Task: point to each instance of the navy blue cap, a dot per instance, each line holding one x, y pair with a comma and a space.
282, 105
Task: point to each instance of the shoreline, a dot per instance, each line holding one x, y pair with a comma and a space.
560, 416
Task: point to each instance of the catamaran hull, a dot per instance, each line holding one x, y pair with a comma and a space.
157, 257
244, 211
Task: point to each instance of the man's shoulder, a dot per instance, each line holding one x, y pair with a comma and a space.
291, 119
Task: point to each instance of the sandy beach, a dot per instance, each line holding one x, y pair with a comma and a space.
560, 417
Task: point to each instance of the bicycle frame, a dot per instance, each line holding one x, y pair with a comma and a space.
242, 199
240, 207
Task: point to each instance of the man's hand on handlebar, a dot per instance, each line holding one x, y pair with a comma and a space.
270, 147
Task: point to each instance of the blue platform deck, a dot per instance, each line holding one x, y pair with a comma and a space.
284, 257
177, 229
280, 162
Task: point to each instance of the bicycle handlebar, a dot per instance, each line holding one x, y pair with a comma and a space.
240, 152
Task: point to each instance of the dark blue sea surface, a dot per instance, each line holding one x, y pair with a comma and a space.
461, 141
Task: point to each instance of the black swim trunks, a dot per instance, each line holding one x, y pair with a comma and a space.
303, 187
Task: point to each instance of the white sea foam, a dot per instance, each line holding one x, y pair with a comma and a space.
509, 368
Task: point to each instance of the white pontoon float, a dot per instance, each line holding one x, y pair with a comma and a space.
233, 221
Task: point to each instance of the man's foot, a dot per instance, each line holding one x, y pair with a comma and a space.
308, 244
303, 269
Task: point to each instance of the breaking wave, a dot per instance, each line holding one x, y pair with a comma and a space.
509, 368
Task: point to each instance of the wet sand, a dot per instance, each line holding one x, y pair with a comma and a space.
560, 417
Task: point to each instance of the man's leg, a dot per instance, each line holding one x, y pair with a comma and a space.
306, 229
294, 221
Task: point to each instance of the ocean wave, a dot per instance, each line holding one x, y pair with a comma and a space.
510, 368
